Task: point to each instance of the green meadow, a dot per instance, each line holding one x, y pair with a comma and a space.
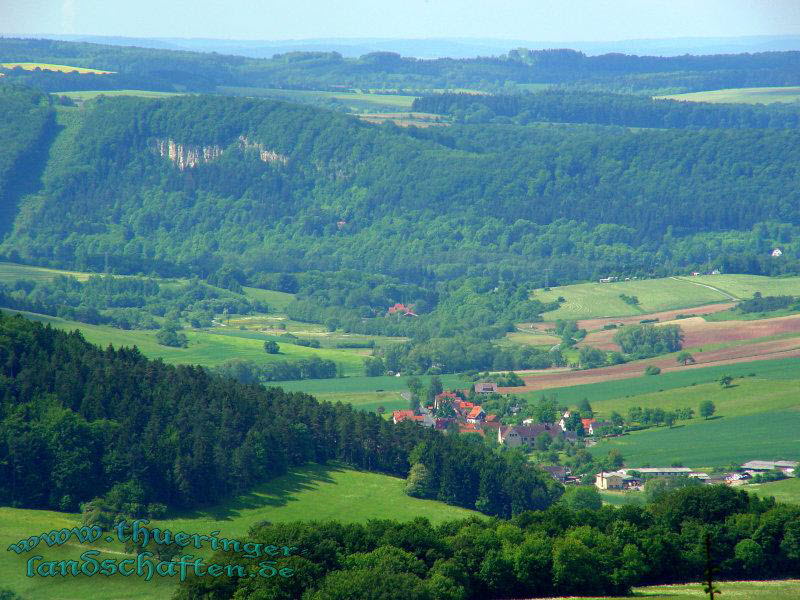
588, 300
621, 389
758, 95
314, 492
744, 286
29, 66
206, 347
786, 490
719, 441
354, 101
83, 96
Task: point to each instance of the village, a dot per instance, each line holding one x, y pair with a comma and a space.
452, 412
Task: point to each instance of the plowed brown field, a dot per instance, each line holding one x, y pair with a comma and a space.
698, 332
667, 315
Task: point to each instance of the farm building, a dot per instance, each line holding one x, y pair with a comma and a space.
777, 252
787, 466
609, 481
662, 471
401, 309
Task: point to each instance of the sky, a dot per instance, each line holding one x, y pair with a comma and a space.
540, 20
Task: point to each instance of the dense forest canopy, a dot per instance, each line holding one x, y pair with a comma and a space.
603, 108
502, 201
142, 68
459, 222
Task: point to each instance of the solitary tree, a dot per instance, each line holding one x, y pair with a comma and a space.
726, 381
271, 347
685, 358
707, 408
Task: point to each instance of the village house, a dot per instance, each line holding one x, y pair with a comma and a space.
488, 387
557, 472
476, 415
408, 415
401, 309
521, 435
445, 397
609, 481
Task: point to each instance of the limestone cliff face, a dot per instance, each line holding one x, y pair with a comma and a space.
186, 156
267, 156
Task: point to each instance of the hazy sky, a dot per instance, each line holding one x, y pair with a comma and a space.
540, 20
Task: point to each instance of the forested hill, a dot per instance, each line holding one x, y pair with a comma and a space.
78, 422
561, 106
189, 185
142, 68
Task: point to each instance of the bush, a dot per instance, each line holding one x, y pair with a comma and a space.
652, 370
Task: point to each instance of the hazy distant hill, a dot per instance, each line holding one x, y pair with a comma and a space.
448, 47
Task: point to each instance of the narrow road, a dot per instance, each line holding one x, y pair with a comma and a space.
711, 287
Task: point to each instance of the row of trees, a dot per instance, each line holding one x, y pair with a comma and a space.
561, 551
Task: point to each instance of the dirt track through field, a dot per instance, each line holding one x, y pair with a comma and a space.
751, 352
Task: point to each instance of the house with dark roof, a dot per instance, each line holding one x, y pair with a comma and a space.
525, 435
486, 387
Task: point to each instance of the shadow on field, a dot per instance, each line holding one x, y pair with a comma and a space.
278, 492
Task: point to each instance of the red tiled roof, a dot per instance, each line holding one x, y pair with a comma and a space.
476, 410
587, 422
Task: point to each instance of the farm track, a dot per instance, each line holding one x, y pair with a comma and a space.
705, 285
724, 356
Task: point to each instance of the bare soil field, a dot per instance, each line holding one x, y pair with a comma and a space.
750, 352
666, 315
698, 332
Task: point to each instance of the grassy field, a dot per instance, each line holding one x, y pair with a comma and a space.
588, 300
276, 300
737, 590
313, 492
83, 96
759, 95
786, 368
622, 498
787, 490
744, 286
719, 441
49, 67
356, 102
10, 272
747, 396
205, 347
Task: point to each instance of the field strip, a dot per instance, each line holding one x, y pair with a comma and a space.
711, 287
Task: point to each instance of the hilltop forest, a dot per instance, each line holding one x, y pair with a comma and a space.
142, 68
